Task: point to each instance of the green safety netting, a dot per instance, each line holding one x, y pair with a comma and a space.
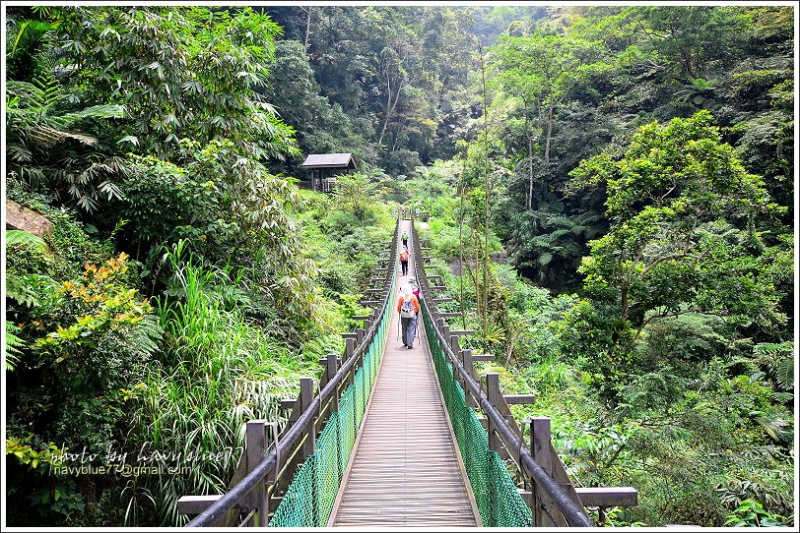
499, 503
310, 497
309, 500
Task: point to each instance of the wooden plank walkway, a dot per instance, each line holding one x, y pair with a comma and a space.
405, 470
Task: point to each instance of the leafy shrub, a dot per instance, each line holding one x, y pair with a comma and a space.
163, 201
97, 338
88, 341
752, 514
219, 371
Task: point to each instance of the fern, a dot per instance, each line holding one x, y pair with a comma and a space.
148, 334
45, 93
321, 346
775, 427
782, 397
11, 345
27, 289
784, 373
37, 122
779, 359
48, 137
93, 112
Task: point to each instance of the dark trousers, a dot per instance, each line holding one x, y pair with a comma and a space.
405, 242
404, 267
409, 327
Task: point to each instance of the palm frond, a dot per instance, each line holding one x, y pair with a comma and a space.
98, 111
24, 239
775, 427
48, 137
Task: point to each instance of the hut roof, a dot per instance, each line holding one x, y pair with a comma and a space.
329, 161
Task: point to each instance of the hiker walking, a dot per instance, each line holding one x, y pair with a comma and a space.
408, 307
404, 261
414, 287
405, 239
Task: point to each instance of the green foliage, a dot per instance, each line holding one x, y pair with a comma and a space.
542, 70
39, 124
58, 502
11, 345
533, 313
105, 315
25, 39
48, 454
24, 239
225, 208
164, 203
446, 242
431, 188
354, 193
682, 166
399, 89
779, 359
752, 514
671, 249
86, 341
217, 372
24, 252
547, 245
187, 72
601, 343
30, 266
672, 371
70, 244
295, 94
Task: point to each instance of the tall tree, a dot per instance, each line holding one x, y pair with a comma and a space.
295, 96
683, 235
542, 71
183, 72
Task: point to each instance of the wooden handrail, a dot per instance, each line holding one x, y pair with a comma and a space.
264, 470
555, 491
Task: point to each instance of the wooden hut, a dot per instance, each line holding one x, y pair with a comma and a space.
325, 167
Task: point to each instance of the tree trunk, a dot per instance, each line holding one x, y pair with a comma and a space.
308, 26
549, 133
530, 173
486, 203
389, 108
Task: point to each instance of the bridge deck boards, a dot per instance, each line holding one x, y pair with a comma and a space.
405, 470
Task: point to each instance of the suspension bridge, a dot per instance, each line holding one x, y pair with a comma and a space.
397, 437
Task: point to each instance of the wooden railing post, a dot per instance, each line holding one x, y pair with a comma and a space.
256, 450
349, 350
359, 336
540, 450
331, 367
494, 396
306, 397
454, 344
466, 361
